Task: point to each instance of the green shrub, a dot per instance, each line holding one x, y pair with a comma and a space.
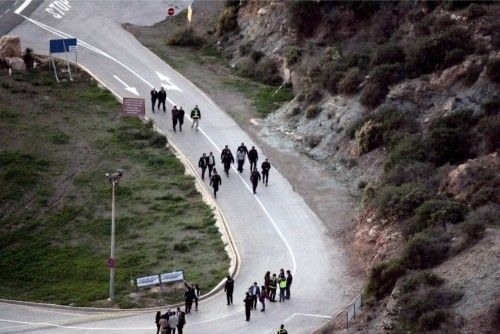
373, 94
331, 80
186, 38
474, 11
313, 95
415, 171
493, 69
491, 106
454, 57
312, 111
180, 247
368, 137
355, 126
351, 81
245, 49
417, 279
400, 201
407, 149
312, 141
59, 138
433, 320
448, 145
383, 277
427, 249
474, 230
228, 20
394, 123
473, 74
436, 213
293, 55
489, 131
266, 71
256, 56
387, 74
305, 16
388, 54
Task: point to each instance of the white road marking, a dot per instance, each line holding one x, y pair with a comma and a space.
300, 314
76, 327
22, 7
133, 90
169, 85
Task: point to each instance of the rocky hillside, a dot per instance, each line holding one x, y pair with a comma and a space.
400, 101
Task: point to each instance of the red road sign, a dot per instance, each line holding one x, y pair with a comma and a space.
171, 11
133, 107
111, 263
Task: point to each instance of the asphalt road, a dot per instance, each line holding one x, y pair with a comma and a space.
273, 229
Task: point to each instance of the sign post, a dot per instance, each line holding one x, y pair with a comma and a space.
133, 107
63, 46
189, 16
170, 13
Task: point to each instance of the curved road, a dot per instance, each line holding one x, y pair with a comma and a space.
273, 229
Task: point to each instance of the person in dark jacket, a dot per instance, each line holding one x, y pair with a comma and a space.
210, 163
240, 159
162, 97
154, 97
227, 160
157, 321
248, 305
225, 151
253, 157
229, 288
289, 279
188, 297
243, 147
267, 280
195, 116
255, 178
262, 298
266, 166
272, 288
254, 291
181, 118
215, 182
182, 320
175, 117
203, 163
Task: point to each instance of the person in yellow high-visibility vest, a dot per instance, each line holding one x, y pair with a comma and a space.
282, 284
272, 288
282, 330
195, 116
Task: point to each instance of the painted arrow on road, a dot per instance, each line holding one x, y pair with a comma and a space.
167, 83
133, 90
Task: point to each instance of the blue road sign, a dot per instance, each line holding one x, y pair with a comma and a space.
62, 45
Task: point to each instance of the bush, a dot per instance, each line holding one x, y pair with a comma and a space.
368, 137
418, 279
266, 71
245, 48
312, 111
407, 149
351, 81
228, 20
180, 247
305, 16
473, 74
427, 249
489, 131
355, 126
186, 38
436, 213
373, 94
257, 56
432, 320
474, 230
454, 57
427, 54
293, 55
395, 122
487, 214
312, 141
493, 69
415, 171
474, 11
400, 201
330, 81
387, 74
388, 54
491, 106
313, 95
383, 277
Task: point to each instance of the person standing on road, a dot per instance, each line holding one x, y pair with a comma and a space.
196, 296
272, 289
225, 151
195, 116
266, 166
157, 322
282, 330
282, 285
227, 160
189, 297
240, 158
203, 163
210, 163
175, 117
254, 291
262, 298
255, 178
182, 320
154, 97
181, 118
248, 305
164, 328
162, 97
229, 288
215, 182
173, 321
253, 157
267, 280
289, 279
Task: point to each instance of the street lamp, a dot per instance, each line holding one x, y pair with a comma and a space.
113, 180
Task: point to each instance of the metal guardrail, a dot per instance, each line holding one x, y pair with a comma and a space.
346, 316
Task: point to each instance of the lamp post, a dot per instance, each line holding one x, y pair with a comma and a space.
113, 180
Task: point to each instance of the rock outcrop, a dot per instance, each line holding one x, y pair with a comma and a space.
10, 46
16, 63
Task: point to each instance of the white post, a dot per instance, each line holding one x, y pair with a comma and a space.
112, 269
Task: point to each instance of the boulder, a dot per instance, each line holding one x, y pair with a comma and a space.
10, 46
16, 63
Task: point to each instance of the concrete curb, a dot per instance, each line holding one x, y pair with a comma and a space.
222, 224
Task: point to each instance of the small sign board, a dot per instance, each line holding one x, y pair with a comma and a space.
175, 276
63, 45
147, 281
134, 107
171, 11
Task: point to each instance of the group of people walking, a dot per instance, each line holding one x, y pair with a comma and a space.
208, 162
177, 113
168, 322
